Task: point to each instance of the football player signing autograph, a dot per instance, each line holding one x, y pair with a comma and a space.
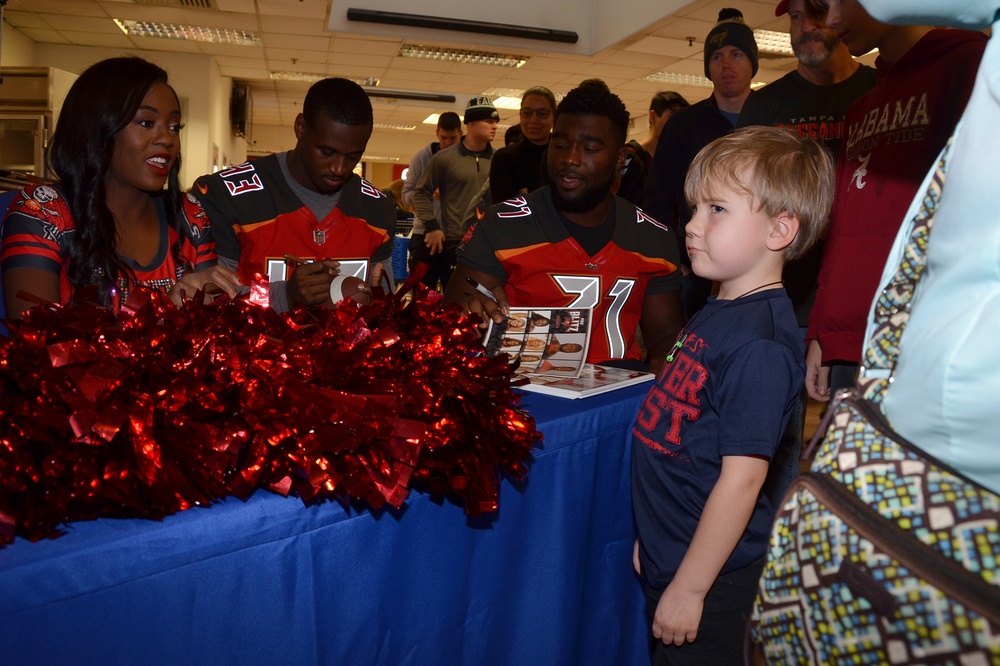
302, 217
573, 244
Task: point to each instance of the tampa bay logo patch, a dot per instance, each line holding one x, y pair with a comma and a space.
468, 234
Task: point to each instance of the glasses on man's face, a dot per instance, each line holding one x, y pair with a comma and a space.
542, 114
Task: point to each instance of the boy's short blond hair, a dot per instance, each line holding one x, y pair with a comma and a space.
777, 169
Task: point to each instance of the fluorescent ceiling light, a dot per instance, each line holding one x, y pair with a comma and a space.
191, 33
504, 92
296, 76
774, 43
283, 75
494, 93
379, 158
391, 126
507, 102
432, 119
695, 80
460, 55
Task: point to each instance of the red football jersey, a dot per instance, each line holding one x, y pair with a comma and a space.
258, 219
39, 228
350, 240
524, 242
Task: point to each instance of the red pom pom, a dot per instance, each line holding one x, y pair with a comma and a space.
158, 409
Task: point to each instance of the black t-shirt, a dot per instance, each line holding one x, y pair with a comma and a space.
817, 112
591, 239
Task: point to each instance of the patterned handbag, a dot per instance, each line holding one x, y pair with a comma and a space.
882, 554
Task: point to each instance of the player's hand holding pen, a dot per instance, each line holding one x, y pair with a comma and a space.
309, 283
488, 303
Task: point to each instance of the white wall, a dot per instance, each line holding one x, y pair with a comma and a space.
271, 138
17, 50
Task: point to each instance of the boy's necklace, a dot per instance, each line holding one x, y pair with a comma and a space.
689, 329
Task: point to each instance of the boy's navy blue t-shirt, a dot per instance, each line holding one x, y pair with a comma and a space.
728, 392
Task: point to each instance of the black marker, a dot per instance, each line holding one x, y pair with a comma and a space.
481, 289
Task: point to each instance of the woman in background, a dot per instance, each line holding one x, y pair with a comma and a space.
109, 222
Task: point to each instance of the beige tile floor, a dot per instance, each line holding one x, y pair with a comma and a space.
814, 413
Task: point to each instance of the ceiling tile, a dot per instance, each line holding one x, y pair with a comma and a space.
292, 25
212, 19
247, 6
20, 20
83, 24
420, 64
164, 44
76, 7
286, 56
43, 36
309, 9
367, 61
299, 42
525, 79
119, 41
634, 59
364, 47
282, 65
549, 64
414, 80
601, 70
234, 50
145, 13
664, 46
242, 63
244, 73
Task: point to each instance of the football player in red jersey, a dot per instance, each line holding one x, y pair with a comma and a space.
306, 203
573, 244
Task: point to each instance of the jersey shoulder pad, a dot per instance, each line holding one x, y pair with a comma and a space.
194, 216
45, 203
370, 190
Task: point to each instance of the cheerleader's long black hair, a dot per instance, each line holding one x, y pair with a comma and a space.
102, 101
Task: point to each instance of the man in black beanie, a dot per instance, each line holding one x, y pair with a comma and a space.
730, 62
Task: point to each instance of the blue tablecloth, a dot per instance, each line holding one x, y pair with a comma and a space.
548, 580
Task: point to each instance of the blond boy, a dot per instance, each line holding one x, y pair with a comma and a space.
711, 423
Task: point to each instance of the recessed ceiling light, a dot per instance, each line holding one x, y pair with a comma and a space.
494, 93
504, 92
391, 126
283, 75
191, 33
775, 43
379, 158
695, 80
504, 102
432, 119
296, 76
462, 56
